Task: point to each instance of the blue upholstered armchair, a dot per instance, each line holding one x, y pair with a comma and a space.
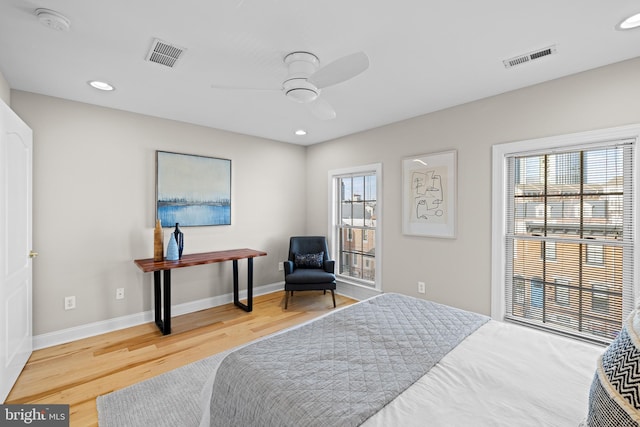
309, 267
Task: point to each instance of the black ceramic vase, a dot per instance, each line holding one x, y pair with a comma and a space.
179, 240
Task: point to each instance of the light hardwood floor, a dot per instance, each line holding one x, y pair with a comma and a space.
78, 372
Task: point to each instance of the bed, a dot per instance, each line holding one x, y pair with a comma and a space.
412, 362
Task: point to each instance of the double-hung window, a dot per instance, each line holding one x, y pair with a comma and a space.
355, 224
574, 202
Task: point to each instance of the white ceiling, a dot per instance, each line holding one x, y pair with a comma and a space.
425, 55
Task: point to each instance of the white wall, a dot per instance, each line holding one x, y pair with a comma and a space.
458, 272
94, 201
5, 91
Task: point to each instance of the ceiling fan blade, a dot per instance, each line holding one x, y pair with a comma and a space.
220, 87
322, 109
340, 70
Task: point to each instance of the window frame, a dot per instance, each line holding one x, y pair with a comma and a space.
374, 169
581, 140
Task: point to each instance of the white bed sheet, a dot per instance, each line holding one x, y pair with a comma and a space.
501, 375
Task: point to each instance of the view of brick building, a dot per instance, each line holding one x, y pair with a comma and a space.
357, 239
567, 260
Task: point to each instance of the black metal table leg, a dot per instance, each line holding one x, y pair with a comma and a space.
250, 284
157, 298
166, 324
236, 292
236, 296
161, 293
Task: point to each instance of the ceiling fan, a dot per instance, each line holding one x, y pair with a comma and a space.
306, 79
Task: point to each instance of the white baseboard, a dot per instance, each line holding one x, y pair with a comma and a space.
96, 328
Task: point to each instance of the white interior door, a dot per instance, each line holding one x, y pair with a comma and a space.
15, 247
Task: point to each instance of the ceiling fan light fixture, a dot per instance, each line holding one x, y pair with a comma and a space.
629, 23
52, 19
299, 90
302, 95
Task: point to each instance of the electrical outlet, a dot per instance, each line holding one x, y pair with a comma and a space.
421, 288
69, 303
120, 293
280, 266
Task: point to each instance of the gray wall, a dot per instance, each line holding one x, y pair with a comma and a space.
94, 201
458, 272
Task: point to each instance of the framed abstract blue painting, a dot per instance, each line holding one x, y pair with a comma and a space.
192, 190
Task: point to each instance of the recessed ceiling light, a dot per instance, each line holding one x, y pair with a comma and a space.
101, 85
301, 132
629, 23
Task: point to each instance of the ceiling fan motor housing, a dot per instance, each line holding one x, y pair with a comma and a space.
301, 66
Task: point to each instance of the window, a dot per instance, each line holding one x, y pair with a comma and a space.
562, 292
518, 290
355, 224
595, 254
600, 298
549, 250
568, 209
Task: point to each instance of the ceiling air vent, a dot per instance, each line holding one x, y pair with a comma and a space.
164, 53
531, 56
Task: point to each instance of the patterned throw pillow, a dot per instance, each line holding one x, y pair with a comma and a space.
614, 398
309, 260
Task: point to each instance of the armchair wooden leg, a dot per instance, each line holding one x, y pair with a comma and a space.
333, 296
286, 299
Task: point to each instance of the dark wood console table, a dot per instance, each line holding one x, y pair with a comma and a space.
149, 265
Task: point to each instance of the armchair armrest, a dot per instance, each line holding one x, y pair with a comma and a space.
288, 267
329, 266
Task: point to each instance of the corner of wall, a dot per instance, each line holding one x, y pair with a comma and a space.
5, 90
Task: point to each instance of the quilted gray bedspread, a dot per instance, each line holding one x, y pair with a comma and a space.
340, 369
